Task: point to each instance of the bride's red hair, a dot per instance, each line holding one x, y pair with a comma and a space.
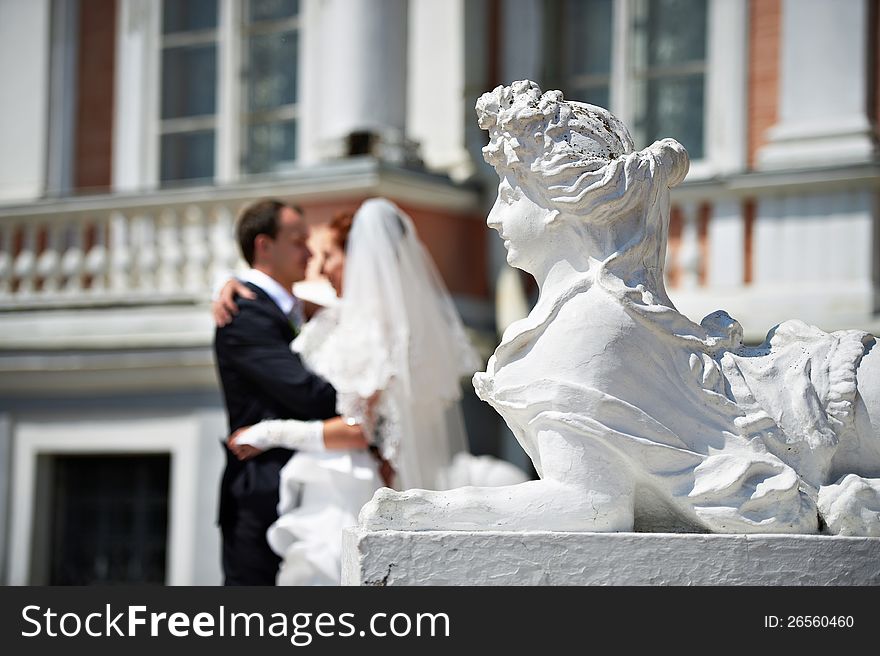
340, 226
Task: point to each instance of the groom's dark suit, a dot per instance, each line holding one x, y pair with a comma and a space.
262, 379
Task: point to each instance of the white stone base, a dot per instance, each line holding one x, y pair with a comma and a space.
543, 558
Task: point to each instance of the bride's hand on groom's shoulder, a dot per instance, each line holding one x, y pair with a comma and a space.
224, 307
241, 451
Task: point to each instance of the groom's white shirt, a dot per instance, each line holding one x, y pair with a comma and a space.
283, 298
289, 304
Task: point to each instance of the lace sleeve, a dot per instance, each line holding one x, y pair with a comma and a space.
287, 433
385, 429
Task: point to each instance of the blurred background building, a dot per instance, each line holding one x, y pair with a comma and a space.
132, 131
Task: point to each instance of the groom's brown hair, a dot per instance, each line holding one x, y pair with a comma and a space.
259, 218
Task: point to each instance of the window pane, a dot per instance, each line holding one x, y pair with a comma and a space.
676, 31
109, 519
262, 10
189, 81
188, 15
675, 109
188, 156
593, 95
272, 70
271, 146
589, 28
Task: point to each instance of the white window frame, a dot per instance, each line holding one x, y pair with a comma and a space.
726, 75
284, 113
176, 436
187, 124
138, 128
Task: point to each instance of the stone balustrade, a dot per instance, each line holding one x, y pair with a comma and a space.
761, 256
105, 251
166, 245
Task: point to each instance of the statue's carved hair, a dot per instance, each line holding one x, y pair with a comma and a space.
558, 139
582, 163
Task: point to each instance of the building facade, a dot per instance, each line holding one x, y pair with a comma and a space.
133, 131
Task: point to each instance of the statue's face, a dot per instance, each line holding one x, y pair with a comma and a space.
521, 223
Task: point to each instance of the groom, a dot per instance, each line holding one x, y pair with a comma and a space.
263, 379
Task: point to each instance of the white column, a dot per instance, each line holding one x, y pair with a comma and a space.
726, 82
823, 86
436, 115
24, 70
136, 115
228, 139
309, 70
362, 63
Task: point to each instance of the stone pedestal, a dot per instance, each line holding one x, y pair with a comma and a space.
543, 558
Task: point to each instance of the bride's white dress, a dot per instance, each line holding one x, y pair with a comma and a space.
320, 492
395, 332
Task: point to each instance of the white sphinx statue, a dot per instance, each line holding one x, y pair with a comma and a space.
634, 416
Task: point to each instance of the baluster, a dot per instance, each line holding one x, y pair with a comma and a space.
689, 252
668, 263
170, 254
96, 258
119, 253
74, 259
136, 241
26, 260
146, 257
224, 256
195, 265
6, 253
49, 261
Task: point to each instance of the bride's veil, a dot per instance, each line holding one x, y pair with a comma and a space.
399, 334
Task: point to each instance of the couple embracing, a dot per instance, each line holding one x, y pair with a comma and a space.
322, 413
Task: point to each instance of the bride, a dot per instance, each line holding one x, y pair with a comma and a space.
395, 349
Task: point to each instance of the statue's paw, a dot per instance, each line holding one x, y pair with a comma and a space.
392, 510
851, 506
375, 514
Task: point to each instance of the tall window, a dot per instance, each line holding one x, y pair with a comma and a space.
660, 71
244, 51
189, 90
669, 68
271, 35
587, 58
